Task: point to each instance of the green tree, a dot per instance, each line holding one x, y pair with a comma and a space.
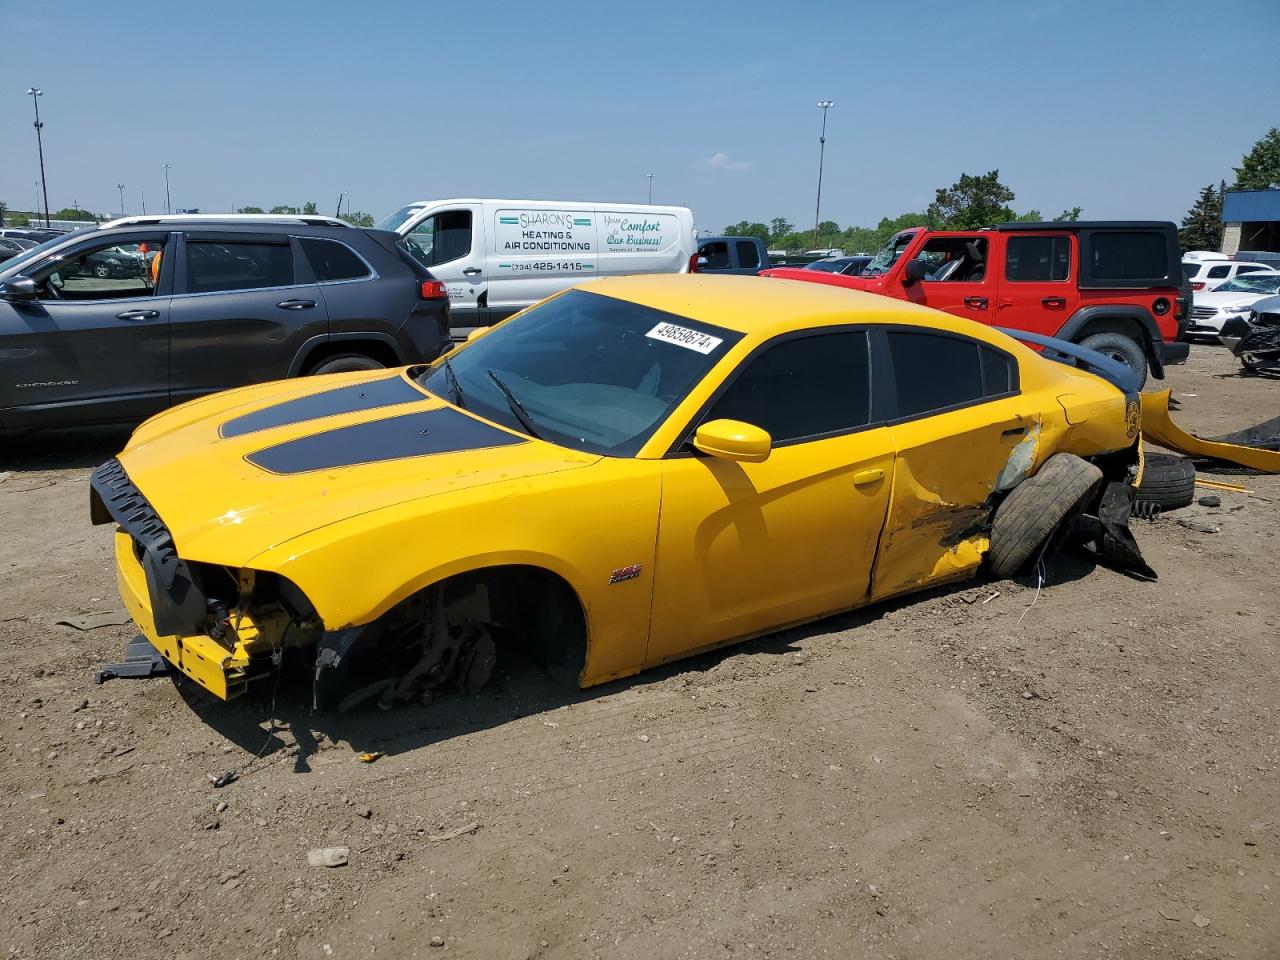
71, 213
291, 211
779, 227
1202, 226
1068, 216
1260, 168
1031, 216
972, 202
359, 218
309, 208
250, 210
744, 229
17, 220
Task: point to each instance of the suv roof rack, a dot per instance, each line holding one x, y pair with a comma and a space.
311, 221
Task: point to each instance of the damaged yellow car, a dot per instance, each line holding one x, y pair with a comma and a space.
633, 471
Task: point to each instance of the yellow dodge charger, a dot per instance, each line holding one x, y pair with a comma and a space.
630, 472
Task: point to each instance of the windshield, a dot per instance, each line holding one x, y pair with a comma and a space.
583, 370
398, 219
888, 255
1251, 283
826, 266
14, 266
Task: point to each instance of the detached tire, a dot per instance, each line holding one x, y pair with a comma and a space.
1117, 346
1033, 510
1168, 483
347, 363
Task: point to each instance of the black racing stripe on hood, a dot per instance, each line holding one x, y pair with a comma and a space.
410, 435
359, 396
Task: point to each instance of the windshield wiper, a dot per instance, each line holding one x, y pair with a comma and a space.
455, 388
516, 406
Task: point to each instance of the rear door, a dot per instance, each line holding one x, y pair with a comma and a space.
960, 280
1038, 289
243, 305
94, 345
450, 242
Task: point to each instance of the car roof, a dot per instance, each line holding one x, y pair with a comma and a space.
239, 219
1069, 225
771, 304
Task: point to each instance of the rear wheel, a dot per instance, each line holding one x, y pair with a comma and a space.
347, 363
1035, 508
1123, 348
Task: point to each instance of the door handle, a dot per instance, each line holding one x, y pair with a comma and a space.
296, 304
138, 315
1058, 302
865, 477
472, 271
978, 303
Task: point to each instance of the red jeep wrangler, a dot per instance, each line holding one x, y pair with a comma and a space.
1113, 286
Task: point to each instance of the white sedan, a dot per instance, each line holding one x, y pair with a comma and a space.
1211, 310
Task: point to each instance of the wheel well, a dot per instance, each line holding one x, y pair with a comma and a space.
538, 606
373, 349
1127, 326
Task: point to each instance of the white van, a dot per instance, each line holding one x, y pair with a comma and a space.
496, 257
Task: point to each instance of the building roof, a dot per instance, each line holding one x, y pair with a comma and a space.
1251, 206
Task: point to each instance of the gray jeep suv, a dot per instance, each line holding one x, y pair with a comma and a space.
117, 323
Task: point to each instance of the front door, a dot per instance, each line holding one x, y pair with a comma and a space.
243, 306
450, 243
1037, 289
746, 547
94, 345
960, 281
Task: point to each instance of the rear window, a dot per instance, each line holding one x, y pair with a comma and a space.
748, 256
332, 260
1037, 259
934, 372
231, 265
1128, 255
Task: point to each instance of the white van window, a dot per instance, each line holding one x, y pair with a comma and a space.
442, 237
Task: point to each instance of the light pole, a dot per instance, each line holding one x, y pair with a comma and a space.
143, 194
120, 187
822, 147
34, 93
166, 186
650, 176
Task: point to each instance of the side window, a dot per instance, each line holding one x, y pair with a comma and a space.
717, 255
803, 387
1128, 255
1037, 259
748, 255
1250, 268
999, 373
956, 259
934, 372
105, 271
442, 237
1217, 273
215, 265
332, 260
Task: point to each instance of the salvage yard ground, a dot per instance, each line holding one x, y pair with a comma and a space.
969, 772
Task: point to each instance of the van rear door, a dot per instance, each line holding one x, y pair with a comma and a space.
449, 240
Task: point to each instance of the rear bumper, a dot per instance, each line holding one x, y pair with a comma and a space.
1174, 351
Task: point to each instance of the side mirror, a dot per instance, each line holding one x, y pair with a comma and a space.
733, 440
477, 333
915, 270
18, 290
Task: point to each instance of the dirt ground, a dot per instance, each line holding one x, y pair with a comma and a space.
970, 772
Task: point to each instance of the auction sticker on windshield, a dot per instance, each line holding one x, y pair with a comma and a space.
684, 337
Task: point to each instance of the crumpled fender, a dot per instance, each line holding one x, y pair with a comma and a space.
1158, 428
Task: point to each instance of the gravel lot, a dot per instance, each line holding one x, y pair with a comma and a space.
965, 773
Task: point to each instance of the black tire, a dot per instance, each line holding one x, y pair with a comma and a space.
1032, 511
1120, 347
1168, 483
347, 363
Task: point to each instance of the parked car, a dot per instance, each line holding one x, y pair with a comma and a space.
10, 249
192, 305
523, 485
1210, 310
38, 234
737, 255
1112, 286
1254, 339
1207, 275
496, 257
849, 266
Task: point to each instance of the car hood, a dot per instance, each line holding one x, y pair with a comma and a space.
237, 473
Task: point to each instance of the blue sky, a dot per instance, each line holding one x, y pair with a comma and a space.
1125, 109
